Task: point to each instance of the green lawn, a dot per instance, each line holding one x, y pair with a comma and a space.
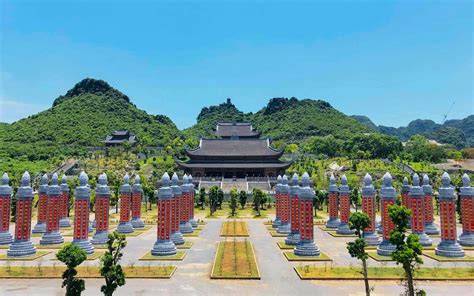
292, 257
312, 272
234, 228
177, 257
235, 260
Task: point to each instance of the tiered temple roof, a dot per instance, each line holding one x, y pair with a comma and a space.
234, 155
118, 137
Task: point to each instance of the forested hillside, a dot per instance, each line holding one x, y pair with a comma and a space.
457, 132
289, 120
81, 118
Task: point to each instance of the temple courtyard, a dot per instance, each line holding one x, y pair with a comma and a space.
192, 276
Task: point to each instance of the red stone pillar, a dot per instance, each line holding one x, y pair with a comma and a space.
388, 198
5, 200
52, 235
467, 212
22, 245
125, 202
284, 189
345, 203
448, 247
418, 220
40, 226
137, 204
277, 222
63, 213
102, 203
163, 245
430, 227
333, 221
81, 215
406, 196
294, 236
192, 221
185, 204
368, 207
176, 235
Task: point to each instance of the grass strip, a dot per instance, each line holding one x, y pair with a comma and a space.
195, 233
234, 228
274, 233
39, 254
308, 272
379, 258
292, 257
432, 255
334, 234
284, 246
186, 245
235, 260
177, 257
157, 272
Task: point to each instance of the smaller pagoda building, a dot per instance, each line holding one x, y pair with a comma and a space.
117, 138
237, 153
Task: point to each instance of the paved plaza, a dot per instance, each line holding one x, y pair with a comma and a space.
192, 275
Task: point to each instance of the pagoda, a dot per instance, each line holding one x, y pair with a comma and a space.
238, 152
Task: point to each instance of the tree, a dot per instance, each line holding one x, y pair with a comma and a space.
408, 248
358, 222
202, 197
242, 199
233, 200
213, 192
72, 256
110, 268
220, 198
257, 198
355, 198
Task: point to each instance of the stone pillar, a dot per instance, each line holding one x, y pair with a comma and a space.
52, 236
176, 235
368, 207
63, 209
430, 227
284, 189
333, 221
40, 226
81, 215
406, 196
448, 247
306, 246
102, 202
125, 198
277, 222
418, 219
185, 204
22, 245
192, 221
137, 204
388, 197
345, 202
5, 200
163, 245
294, 236
467, 212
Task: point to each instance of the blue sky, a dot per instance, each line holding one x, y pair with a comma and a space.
392, 61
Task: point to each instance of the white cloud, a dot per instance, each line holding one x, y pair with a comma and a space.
12, 110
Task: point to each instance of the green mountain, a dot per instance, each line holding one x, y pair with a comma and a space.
457, 132
290, 120
209, 116
83, 117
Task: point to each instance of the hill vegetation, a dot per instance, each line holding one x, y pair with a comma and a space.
456, 132
82, 118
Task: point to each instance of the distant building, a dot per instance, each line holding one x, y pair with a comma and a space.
119, 137
238, 153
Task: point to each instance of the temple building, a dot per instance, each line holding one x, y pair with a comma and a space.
239, 152
119, 137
